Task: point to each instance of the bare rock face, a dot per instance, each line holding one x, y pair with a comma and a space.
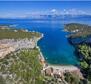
5, 49
10, 45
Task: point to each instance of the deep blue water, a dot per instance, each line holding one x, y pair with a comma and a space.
54, 45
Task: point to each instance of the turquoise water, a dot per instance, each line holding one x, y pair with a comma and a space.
54, 45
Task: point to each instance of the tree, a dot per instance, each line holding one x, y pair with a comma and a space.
84, 65
71, 78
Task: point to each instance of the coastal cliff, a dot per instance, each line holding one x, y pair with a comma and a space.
19, 57
80, 38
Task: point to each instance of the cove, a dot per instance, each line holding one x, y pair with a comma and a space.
54, 45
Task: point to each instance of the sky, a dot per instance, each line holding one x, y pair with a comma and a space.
26, 8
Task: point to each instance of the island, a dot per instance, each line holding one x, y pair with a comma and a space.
80, 37
22, 62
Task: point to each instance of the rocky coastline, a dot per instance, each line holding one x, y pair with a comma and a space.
81, 40
57, 71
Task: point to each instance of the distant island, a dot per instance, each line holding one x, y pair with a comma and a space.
80, 38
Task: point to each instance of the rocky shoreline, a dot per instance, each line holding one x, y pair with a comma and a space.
81, 40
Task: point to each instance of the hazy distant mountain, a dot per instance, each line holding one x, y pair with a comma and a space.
58, 17
53, 17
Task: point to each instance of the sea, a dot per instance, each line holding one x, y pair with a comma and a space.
54, 45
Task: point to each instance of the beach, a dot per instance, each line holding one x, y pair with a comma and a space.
64, 68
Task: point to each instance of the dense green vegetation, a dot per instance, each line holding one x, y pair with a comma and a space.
72, 78
78, 30
22, 67
84, 49
11, 33
85, 64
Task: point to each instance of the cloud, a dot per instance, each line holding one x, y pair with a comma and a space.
73, 11
53, 10
36, 14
